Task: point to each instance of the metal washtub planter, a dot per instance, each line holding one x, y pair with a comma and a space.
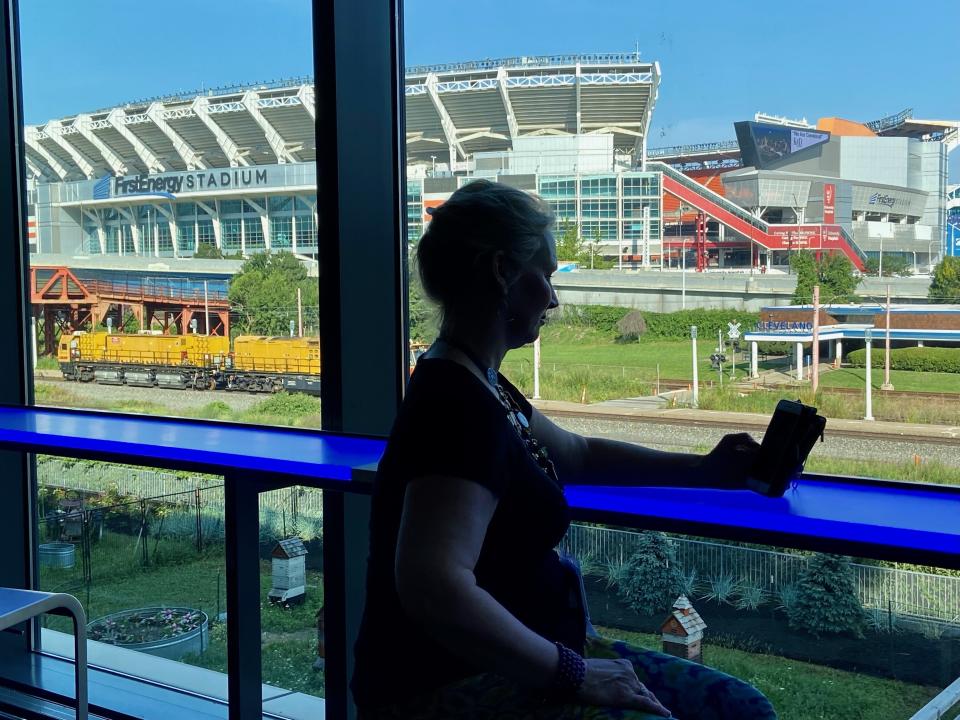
193, 641
58, 555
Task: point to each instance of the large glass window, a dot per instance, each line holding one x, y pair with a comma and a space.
123, 166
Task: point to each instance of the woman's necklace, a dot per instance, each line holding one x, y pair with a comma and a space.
514, 414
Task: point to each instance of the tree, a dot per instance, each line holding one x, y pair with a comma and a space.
834, 273
827, 601
893, 265
569, 246
208, 251
264, 294
422, 313
945, 285
650, 580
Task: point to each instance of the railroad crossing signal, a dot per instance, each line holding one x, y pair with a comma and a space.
734, 332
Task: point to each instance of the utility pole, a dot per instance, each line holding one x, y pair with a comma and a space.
887, 385
696, 383
815, 350
206, 309
536, 368
299, 314
868, 337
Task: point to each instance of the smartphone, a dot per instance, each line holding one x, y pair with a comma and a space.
791, 434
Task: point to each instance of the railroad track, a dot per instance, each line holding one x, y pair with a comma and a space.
750, 421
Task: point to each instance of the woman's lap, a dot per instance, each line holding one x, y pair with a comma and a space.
689, 690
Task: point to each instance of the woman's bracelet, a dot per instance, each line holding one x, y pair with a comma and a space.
571, 670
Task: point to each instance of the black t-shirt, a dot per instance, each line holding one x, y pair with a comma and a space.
451, 425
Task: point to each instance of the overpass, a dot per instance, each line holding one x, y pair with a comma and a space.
829, 238
663, 291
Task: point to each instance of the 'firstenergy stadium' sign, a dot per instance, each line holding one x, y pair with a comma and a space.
169, 185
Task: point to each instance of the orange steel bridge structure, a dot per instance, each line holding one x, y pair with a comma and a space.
64, 303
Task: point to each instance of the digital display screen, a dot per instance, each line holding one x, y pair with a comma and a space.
764, 145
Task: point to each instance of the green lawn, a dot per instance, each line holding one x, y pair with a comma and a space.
179, 576
901, 380
803, 691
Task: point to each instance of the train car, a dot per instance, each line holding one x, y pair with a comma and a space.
143, 360
271, 364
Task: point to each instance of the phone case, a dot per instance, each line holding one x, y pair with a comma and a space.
791, 435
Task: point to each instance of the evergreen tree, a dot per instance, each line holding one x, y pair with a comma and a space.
945, 285
827, 602
651, 580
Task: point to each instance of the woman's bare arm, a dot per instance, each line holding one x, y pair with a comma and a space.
442, 530
584, 460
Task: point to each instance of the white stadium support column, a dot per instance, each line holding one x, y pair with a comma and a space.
191, 158
55, 131
101, 233
799, 361
754, 370
151, 162
264, 223
227, 145
127, 214
167, 212
277, 144
30, 140
507, 105
82, 124
308, 100
446, 122
215, 218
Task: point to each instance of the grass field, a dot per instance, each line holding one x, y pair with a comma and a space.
803, 691
901, 380
179, 576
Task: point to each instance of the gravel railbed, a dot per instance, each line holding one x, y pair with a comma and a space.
686, 438
177, 402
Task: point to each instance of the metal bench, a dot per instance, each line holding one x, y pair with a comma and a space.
17, 606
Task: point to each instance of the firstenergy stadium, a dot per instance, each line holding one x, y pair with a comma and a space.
233, 168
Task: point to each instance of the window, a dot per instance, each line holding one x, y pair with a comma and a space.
281, 232
253, 234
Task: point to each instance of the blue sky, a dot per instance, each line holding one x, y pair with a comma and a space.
850, 58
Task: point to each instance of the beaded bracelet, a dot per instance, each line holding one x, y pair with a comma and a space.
571, 670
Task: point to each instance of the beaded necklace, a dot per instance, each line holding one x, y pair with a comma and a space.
514, 414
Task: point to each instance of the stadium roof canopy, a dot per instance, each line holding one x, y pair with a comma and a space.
452, 110
459, 109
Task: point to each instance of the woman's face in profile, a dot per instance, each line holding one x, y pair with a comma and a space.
529, 298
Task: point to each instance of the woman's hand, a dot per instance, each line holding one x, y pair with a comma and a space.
729, 463
614, 683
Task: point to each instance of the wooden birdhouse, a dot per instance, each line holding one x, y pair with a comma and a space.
682, 631
289, 572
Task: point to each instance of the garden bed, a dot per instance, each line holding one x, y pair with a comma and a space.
164, 632
907, 656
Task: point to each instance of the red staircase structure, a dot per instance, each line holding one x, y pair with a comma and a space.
830, 238
66, 304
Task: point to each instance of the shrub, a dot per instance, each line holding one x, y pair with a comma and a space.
651, 580
676, 325
631, 326
721, 589
751, 596
827, 602
916, 359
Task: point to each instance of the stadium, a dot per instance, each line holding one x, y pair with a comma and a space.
233, 168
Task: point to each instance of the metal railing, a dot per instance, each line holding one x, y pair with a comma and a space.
910, 595
696, 149
528, 61
891, 121
710, 195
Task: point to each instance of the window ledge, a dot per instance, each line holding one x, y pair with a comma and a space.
146, 687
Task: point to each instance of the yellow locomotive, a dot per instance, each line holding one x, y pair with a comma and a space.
203, 362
